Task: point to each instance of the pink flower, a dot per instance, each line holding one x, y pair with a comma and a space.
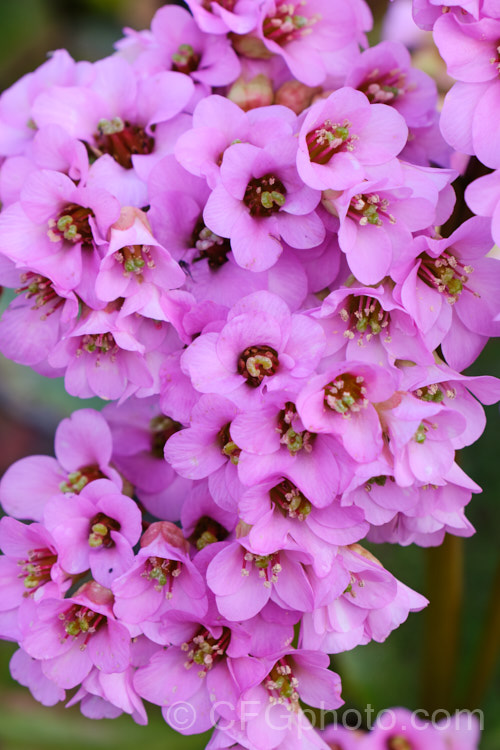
95, 529
373, 604
177, 43
310, 35
71, 636
385, 74
340, 402
162, 577
244, 582
261, 200
261, 345
343, 135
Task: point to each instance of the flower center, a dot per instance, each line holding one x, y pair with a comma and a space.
380, 481
385, 88
332, 137
72, 224
36, 569
185, 60
268, 566
101, 527
227, 446
211, 247
446, 274
290, 500
42, 290
370, 209
78, 619
399, 743
161, 429
205, 650
134, 259
77, 480
122, 140
282, 686
265, 196
346, 394
435, 393
495, 60
294, 441
163, 572
100, 343
257, 362
207, 531
365, 318
286, 25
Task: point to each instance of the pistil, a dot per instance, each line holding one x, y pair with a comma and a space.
257, 362
122, 140
346, 394
72, 224
290, 500
332, 137
100, 528
265, 196
288, 23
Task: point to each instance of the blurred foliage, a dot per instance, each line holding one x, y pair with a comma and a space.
31, 406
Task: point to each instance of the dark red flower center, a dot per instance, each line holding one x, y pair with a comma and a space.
256, 363
447, 274
294, 441
290, 500
99, 344
288, 23
384, 88
435, 392
365, 318
78, 620
162, 572
282, 685
40, 288
72, 224
135, 259
161, 429
211, 247
185, 60
265, 196
370, 209
329, 139
207, 531
122, 140
78, 479
346, 394
36, 568
100, 527
205, 651
227, 445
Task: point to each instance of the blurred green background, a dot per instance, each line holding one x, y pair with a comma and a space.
382, 675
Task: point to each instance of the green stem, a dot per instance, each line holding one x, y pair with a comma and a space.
442, 622
488, 649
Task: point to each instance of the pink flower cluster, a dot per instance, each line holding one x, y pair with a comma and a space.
230, 229
398, 728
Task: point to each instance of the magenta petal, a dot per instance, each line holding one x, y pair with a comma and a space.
109, 648
70, 668
28, 484
83, 440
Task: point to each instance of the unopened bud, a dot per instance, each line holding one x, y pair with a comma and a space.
166, 531
295, 95
257, 92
